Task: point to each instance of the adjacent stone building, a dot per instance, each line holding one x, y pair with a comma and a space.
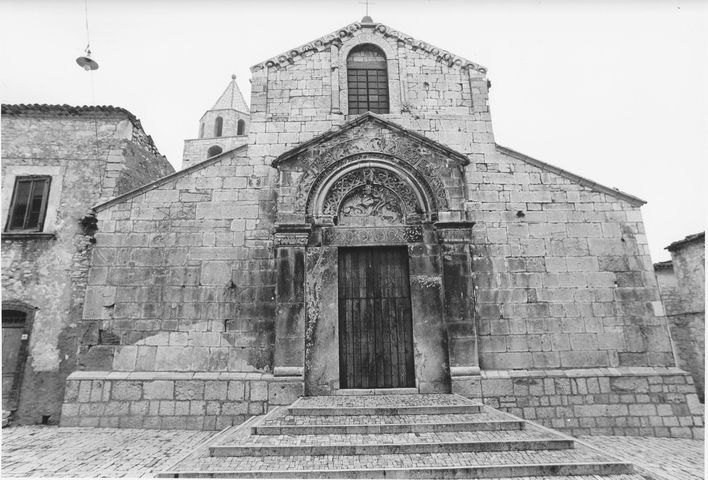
682, 286
371, 234
222, 128
57, 162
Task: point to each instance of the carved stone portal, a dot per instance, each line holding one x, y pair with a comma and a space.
373, 197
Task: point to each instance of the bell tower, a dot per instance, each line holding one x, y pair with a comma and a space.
223, 127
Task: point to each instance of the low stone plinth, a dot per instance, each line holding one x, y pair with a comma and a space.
172, 400
638, 401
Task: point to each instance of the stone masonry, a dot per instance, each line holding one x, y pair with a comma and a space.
682, 285
520, 272
91, 154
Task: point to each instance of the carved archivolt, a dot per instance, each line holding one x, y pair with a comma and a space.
420, 176
388, 193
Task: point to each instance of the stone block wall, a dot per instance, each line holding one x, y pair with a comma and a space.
685, 305
657, 402
183, 276
169, 401
562, 271
196, 149
91, 154
303, 93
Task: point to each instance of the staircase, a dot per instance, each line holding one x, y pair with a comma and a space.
394, 436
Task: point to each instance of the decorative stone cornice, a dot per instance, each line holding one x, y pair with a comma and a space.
291, 235
339, 36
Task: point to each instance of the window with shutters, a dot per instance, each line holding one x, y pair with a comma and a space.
367, 80
28, 206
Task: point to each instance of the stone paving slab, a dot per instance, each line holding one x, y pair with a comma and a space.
41, 451
664, 458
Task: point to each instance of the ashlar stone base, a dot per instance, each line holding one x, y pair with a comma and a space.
644, 401
172, 400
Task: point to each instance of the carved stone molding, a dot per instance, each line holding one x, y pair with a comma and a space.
352, 236
291, 235
341, 35
454, 232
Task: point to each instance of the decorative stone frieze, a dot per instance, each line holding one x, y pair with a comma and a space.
393, 235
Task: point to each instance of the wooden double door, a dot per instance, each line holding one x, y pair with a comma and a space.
375, 327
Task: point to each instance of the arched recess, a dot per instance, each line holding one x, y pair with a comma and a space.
241, 127
371, 187
214, 150
17, 320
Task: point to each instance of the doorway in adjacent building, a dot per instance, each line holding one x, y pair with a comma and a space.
13, 353
375, 327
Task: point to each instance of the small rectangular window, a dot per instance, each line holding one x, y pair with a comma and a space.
29, 204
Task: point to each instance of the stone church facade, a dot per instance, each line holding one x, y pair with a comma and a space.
371, 234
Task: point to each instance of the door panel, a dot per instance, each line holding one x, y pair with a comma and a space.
375, 329
13, 323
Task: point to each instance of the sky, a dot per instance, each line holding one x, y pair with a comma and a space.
615, 91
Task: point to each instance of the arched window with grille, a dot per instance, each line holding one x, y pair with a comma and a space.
367, 80
218, 126
240, 127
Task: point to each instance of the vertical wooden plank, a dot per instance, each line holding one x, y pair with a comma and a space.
387, 265
342, 320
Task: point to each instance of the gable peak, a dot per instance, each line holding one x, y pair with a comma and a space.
343, 34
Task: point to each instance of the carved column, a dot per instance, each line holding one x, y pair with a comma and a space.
455, 239
429, 335
290, 242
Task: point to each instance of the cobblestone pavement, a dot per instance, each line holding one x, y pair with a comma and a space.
36, 451
664, 458
101, 452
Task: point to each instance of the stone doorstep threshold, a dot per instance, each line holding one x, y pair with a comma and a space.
390, 449
421, 410
481, 471
376, 391
374, 428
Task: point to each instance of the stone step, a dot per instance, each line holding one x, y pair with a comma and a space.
376, 391
364, 439
425, 410
444, 426
504, 471
388, 448
400, 473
